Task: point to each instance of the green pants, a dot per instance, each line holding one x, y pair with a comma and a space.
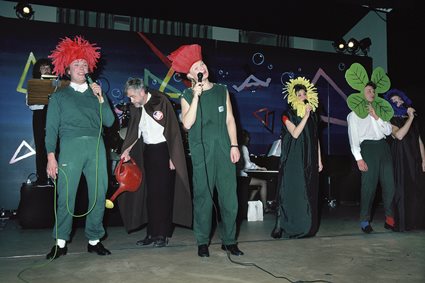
78, 155
377, 156
222, 176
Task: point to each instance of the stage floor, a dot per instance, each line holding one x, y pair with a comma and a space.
340, 252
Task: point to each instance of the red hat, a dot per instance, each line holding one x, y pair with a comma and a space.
69, 50
184, 57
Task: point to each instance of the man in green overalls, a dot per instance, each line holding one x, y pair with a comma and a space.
207, 115
76, 115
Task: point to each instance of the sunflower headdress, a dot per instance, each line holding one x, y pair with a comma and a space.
69, 50
357, 77
296, 104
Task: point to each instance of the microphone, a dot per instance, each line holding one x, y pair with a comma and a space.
90, 82
200, 75
89, 79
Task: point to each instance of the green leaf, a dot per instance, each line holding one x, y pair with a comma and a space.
356, 76
382, 81
383, 108
357, 103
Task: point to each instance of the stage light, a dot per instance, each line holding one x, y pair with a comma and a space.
352, 46
24, 11
339, 45
364, 45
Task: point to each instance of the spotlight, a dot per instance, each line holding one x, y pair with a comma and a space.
352, 46
339, 45
364, 45
24, 11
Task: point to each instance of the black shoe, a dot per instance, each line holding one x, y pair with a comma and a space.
389, 227
233, 249
160, 242
203, 251
146, 241
98, 248
368, 229
59, 252
277, 233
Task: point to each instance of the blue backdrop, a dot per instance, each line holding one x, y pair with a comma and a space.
254, 75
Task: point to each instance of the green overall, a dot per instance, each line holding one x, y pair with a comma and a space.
74, 118
209, 145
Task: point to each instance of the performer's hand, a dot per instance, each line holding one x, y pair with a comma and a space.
97, 91
362, 165
234, 154
320, 166
411, 112
172, 167
307, 110
372, 112
126, 155
52, 166
197, 89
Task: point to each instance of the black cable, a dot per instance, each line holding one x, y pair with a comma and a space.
216, 215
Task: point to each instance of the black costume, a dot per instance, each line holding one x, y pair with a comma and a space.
299, 179
409, 195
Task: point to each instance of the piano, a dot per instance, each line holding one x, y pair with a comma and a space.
270, 175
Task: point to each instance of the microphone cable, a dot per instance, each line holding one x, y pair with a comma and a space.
205, 162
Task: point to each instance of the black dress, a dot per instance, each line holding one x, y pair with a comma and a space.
299, 180
409, 196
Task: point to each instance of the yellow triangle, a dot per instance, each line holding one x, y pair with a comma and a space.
30, 60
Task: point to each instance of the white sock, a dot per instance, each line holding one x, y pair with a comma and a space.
61, 243
93, 242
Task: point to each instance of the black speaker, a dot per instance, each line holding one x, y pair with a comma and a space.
35, 208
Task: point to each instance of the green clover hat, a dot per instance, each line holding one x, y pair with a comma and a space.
357, 77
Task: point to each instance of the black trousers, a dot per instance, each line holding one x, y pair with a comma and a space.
160, 189
39, 132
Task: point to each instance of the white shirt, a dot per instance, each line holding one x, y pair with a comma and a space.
248, 165
152, 131
365, 129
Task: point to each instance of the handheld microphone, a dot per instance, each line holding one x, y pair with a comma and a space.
89, 79
90, 82
200, 75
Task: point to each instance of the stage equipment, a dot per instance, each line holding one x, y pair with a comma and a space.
35, 210
24, 11
40, 89
340, 45
352, 46
364, 45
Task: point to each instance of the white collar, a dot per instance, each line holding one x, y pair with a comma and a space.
79, 87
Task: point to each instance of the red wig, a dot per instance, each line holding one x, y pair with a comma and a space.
69, 50
184, 57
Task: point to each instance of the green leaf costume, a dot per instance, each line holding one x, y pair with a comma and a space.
357, 78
